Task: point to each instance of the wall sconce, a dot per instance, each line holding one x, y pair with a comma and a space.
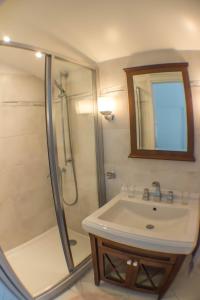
106, 106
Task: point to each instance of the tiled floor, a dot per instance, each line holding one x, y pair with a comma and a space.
185, 287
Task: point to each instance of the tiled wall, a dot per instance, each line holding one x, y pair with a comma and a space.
183, 176
26, 206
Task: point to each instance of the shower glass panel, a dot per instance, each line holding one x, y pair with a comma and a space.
29, 233
75, 137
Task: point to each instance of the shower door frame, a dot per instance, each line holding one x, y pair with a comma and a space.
53, 164
74, 272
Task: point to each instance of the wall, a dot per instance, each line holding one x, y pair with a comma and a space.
177, 175
26, 205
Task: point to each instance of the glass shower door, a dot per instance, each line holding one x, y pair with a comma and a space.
29, 235
48, 169
73, 103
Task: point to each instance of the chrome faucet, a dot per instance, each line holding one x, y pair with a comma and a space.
170, 197
157, 194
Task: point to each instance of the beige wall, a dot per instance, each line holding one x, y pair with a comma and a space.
26, 207
183, 176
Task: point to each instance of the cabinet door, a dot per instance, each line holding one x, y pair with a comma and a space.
151, 275
116, 267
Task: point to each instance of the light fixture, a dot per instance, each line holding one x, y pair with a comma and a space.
38, 54
6, 39
106, 106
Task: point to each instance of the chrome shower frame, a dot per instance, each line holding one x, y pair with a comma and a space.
7, 275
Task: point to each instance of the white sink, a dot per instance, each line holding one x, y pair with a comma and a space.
170, 228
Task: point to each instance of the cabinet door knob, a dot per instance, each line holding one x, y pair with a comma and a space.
129, 262
135, 264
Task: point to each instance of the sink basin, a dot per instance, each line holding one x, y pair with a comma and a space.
140, 215
170, 228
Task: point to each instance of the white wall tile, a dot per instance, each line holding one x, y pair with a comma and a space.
26, 203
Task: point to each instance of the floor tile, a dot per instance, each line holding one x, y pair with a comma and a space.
68, 295
187, 286
85, 289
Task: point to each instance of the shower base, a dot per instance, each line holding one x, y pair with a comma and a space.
40, 263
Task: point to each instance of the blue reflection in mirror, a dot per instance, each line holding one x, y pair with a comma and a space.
170, 116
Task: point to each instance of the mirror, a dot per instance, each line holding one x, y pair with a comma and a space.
161, 116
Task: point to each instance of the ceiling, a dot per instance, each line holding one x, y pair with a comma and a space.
103, 29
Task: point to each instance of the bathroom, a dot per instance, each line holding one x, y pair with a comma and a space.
66, 148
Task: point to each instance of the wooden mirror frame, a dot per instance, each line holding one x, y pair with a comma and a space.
161, 154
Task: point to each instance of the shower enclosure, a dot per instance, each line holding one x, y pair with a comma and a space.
51, 169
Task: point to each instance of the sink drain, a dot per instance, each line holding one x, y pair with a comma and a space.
149, 226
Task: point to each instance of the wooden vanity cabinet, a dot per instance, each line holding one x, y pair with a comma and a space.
133, 268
